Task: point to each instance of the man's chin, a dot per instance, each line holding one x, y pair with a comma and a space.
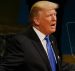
53, 30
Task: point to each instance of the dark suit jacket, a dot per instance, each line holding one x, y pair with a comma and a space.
25, 52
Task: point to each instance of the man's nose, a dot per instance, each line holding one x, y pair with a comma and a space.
54, 17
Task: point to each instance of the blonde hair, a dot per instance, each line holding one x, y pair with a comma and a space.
42, 5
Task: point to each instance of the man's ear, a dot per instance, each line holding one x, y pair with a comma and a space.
36, 20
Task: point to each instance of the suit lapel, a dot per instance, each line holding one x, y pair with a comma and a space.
38, 46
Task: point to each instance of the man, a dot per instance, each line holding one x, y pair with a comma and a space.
28, 51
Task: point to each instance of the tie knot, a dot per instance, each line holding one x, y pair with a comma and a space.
47, 38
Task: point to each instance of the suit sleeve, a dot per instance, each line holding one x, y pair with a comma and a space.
13, 56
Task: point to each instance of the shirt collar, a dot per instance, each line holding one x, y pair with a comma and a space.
39, 34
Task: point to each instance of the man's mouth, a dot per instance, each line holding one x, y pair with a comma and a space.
53, 26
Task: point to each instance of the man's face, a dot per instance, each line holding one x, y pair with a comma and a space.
47, 21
